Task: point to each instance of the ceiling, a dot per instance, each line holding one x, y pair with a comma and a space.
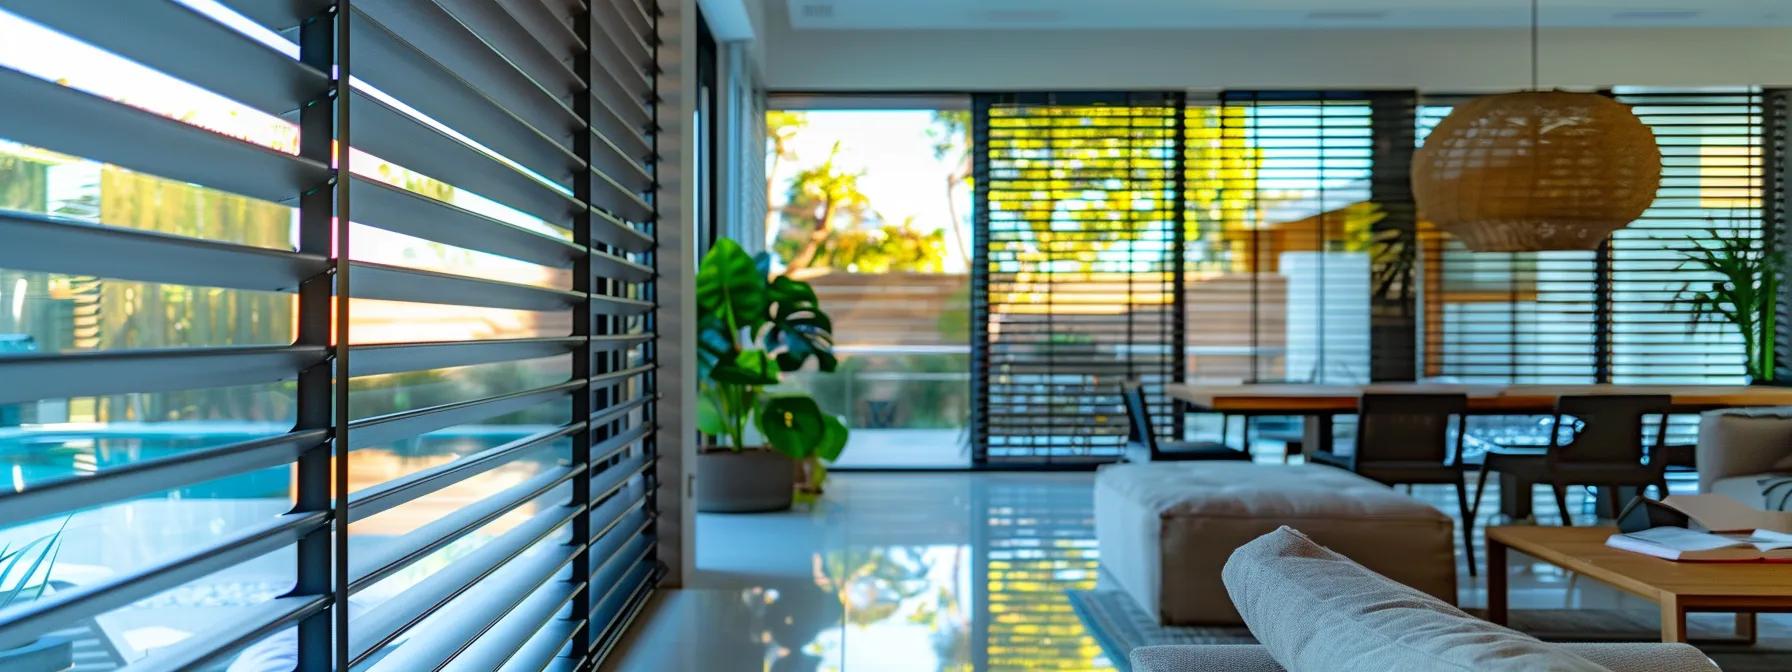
1274, 14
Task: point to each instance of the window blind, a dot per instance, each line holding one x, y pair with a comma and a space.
1712, 187
1283, 212
1523, 317
1611, 315
449, 360
1076, 254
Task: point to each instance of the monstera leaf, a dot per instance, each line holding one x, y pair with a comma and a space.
710, 418
731, 290
793, 424
799, 329
833, 439
713, 344
747, 367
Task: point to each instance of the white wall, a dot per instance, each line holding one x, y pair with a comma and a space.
1436, 60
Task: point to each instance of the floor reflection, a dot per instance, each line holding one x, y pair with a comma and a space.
942, 572
951, 571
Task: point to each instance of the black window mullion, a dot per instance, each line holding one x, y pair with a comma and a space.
317, 563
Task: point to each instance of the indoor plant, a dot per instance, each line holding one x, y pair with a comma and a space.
751, 328
1745, 296
24, 575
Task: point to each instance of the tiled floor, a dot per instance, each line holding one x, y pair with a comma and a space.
935, 571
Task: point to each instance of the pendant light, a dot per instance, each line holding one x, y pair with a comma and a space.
1536, 170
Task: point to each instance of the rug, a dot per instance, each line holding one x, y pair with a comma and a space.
1119, 625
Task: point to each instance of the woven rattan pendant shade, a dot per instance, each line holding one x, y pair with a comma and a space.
1537, 170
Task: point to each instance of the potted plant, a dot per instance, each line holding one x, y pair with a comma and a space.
24, 575
751, 329
1745, 296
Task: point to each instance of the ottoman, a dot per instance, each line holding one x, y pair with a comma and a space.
1165, 529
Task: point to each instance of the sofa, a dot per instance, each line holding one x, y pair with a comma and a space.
1642, 657
1739, 448
1314, 610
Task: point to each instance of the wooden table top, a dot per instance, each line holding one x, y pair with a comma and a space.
1583, 549
1300, 399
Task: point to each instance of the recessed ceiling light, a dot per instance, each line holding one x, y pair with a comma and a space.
1347, 15
818, 11
1656, 15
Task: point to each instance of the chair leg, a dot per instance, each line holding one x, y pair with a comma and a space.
1662, 487
1561, 490
1468, 525
1480, 486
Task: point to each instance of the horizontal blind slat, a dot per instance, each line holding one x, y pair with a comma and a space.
74, 122
175, 39
31, 376
57, 245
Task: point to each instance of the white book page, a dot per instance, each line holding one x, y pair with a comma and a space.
1684, 540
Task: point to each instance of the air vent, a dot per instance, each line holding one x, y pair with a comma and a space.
1347, 15
1656, 15
818, 11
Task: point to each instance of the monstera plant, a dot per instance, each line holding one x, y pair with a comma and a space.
752, 329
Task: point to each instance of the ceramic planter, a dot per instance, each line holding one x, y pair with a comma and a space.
750, 481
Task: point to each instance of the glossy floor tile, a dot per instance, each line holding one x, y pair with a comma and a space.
937, 571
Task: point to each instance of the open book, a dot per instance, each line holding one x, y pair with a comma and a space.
1679, 543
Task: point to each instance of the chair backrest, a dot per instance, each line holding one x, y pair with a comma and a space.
1139, 432
1408, 428
1607, 429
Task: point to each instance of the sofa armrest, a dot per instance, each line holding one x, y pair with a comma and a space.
1204, 658
1742, 441
1645, 657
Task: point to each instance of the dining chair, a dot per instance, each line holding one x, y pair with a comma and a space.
1142, 444
1605, 446
1405, 439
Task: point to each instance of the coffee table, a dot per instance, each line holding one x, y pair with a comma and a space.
1745, 588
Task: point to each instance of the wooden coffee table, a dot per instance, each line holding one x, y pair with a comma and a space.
1745, 588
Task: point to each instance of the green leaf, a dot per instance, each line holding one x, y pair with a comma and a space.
833, 440
713, 345
731, 291
709, 414
800, 330
793, 425
747, 367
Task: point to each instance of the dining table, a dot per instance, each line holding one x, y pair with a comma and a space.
1320, 403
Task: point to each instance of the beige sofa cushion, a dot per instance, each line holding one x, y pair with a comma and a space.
1627, 657
1742, 442
1316, 611
1745, 489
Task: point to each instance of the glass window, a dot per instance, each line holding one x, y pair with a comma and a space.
872, 207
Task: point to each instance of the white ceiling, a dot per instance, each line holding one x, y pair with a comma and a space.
1275, 14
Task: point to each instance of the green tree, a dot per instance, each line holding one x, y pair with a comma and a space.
827, 221
951, 134
781, 127
818, 198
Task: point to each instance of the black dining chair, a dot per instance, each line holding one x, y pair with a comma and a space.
1605, 446
1405, 439
1142, 444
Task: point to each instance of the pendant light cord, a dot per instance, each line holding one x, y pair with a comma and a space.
1534, 23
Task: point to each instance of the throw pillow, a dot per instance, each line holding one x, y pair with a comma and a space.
1776, 491
1318, 611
